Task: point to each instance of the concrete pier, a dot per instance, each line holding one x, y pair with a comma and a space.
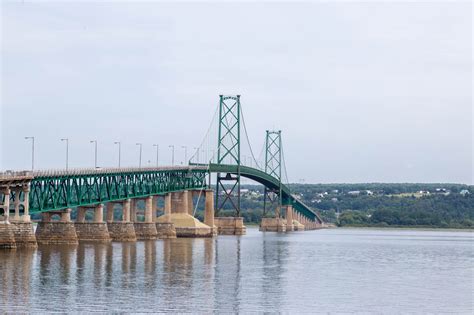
56, 232
209, 219
165, 228
289, 218
24, 234
273, 225
123, 230
95, 231
145, 230
297, 226
185, 224
230, 226
7, 238
22, 227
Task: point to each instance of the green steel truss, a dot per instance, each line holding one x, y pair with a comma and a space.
271, 183
273, 168
228, 152
49, 193
57, 192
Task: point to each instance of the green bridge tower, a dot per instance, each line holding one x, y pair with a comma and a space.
228, 152
273, 154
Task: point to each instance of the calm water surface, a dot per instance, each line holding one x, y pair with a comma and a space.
337, 271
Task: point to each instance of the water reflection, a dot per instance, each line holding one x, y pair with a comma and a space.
15, 275
255, 273
274, 254
227, 274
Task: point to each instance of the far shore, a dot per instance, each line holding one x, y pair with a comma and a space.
420, 228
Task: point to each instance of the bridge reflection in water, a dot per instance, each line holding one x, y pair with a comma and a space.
184, 275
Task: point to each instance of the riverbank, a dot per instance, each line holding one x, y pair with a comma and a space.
418, 228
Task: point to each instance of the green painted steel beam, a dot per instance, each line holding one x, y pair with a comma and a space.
58, 192
269, 182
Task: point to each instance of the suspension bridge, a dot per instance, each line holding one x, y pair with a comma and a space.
59, 195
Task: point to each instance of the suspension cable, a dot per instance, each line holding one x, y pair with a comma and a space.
207, 133
248, 141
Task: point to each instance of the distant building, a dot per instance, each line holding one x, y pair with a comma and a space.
354, 193
465, 192
334, 199
369, 192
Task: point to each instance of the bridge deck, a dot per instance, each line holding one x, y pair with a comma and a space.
58, 189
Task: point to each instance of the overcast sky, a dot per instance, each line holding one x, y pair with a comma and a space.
363, 91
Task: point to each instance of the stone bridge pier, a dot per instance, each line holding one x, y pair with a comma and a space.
276, 224
7, 238
289, 218
62, 231
225, 225
293, 218
121, 230
144, 230
293, 221
19, 224
95, 230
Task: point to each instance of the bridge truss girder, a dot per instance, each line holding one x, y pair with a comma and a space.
51, 193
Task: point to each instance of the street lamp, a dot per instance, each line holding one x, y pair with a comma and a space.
185, 153
95, 152
67, 152
172, 153
32, 151
140, 157
157, 152
119, 151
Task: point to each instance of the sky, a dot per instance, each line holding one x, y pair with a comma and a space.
362, 91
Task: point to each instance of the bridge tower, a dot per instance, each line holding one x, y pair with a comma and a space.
228, 152
273, 163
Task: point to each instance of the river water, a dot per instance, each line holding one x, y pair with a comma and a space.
336, 271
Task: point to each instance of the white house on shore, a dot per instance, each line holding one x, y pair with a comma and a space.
465, 192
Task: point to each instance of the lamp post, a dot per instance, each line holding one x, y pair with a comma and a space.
119, 151
197, 154
95, 152
172, 153
32, 151
185, 153
140, 156
157, 153
67, 152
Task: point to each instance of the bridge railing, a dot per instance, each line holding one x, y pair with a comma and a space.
12, 174
109, 170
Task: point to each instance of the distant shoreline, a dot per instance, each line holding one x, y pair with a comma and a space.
421, 228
